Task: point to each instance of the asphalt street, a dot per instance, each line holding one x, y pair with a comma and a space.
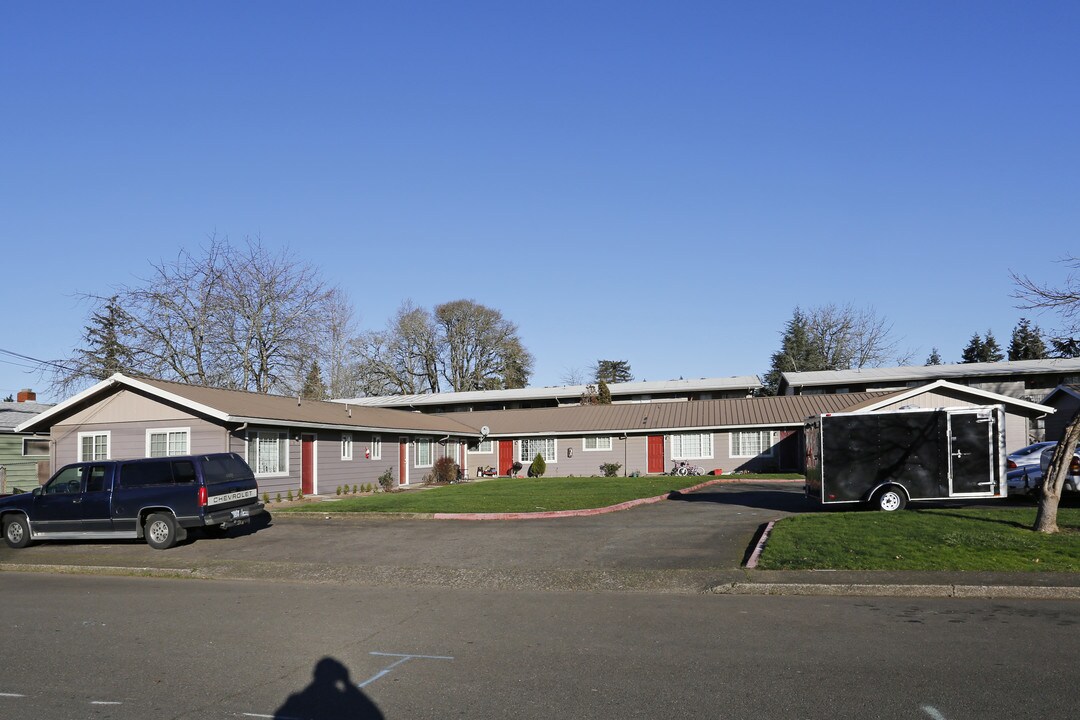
120, 648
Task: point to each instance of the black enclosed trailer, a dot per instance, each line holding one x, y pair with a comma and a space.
888, 458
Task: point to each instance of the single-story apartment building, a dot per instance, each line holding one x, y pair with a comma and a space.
757, 434
292, 444
295, 444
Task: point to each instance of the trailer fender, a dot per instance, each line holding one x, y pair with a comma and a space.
889, 497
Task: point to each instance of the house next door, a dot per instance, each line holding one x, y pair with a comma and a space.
307, 464
656, 454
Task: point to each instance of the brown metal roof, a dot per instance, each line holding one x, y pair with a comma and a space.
658, 416
279, 409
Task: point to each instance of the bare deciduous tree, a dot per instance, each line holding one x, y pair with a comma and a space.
234, 317
1065, 301
462, 346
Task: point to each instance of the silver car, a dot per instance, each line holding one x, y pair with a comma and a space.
1027, 456
1072, 476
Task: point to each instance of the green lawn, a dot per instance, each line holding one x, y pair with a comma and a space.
938, 539
510, 495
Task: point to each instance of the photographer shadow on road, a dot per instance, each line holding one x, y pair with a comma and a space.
332, 695
789, 500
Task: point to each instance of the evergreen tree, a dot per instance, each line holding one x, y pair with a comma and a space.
1027, 342
797, 353
603, 394
612, 371
991, 349
314, 387
105, 350
935, 357
974, 351
982, 349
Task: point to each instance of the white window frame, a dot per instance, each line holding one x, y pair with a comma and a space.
346, 446
550, 443
679, 450
767, 438
36, 439
450, 450
376, 447
107, 434
425, 443
480, 448
253, 438
597, 445
168, 433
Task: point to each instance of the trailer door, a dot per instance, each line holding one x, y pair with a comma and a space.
971, 453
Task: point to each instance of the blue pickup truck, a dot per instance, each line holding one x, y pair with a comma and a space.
156, 499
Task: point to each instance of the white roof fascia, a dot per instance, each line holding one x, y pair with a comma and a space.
275, 422
813, 378
73, 400
994, 397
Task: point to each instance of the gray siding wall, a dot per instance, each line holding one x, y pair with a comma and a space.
128, 439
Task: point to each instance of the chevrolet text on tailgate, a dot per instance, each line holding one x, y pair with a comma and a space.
156, 499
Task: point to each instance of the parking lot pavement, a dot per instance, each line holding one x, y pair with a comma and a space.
682, 544
696, 542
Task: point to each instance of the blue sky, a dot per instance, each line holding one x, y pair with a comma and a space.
658, 182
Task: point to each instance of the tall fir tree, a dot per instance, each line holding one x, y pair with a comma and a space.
314, 387
982, 348
1027, 342
935, 357
797, 353
106, 350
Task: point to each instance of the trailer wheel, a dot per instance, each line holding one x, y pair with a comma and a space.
890, 499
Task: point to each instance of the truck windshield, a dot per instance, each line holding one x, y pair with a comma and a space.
224, 468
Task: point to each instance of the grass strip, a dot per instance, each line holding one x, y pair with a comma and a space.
513, 495
933, 539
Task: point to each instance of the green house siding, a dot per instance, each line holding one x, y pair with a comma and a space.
21, 472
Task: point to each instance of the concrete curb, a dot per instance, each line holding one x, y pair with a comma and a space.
881, 590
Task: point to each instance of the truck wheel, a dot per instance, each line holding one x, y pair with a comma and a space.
160, 531
890, 499
16, 532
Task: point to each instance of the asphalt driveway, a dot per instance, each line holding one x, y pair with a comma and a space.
677, 545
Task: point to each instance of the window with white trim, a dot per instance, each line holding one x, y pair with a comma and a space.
751, 443
692, 446
483, 448
423, 452
93, 446
163, 442
35, 447
450, 450
270, 452
597, 443
376, 447
529, 447
346, 446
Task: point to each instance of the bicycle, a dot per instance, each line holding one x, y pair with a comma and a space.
683, 468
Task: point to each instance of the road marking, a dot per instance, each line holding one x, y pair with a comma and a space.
105, 702
11, 695
933, 712
402, 658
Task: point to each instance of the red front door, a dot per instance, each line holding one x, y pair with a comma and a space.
506, 456
307, 464
656, 454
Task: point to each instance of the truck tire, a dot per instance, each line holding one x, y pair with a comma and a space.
160, 531
16, 531
889, 499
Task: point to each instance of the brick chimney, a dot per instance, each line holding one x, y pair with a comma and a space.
26, 395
